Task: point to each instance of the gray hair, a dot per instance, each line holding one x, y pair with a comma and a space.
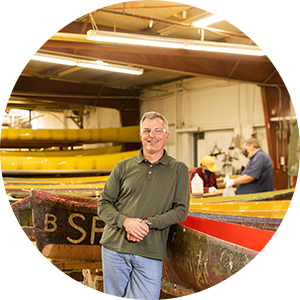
153, 115
253, 142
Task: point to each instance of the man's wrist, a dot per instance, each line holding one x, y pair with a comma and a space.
148, 222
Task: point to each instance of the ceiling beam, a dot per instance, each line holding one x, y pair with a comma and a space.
250, 68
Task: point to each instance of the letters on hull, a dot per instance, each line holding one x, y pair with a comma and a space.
63, 227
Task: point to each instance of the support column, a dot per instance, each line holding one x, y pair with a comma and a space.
276, 105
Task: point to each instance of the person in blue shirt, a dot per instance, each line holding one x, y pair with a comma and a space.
257, 177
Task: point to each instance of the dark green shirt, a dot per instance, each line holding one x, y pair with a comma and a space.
136, 188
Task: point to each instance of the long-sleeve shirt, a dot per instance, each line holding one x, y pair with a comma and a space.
208, 181
137, 188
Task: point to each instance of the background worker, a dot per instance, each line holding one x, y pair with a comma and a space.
207, 171
142, 198
257, 177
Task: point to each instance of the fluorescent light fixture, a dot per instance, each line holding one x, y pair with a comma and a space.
155, 41
98, 65
229, 13
131, 39
4, 97
295, 81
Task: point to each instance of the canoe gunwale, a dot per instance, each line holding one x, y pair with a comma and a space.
255, 222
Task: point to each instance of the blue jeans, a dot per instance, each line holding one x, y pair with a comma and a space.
131, 276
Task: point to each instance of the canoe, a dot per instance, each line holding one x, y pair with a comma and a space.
64, 227
267, 209
200, 252
42, 138
232, 262
90, 164
89, 186
12, 189
61, 153
285, 194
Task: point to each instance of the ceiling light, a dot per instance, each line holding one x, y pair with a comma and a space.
229, 13
98, 65
295, 81
155, 41
131, 39
4, 97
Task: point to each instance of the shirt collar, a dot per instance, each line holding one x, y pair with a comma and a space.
255, 154
164, 160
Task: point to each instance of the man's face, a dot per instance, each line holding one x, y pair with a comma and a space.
153, 136
249, 149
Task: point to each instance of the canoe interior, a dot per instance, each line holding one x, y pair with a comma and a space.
251, 238
267, 209
285, 194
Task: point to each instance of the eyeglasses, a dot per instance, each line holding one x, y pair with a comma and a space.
155, 130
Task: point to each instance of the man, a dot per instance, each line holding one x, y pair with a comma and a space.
207, 171
142, 198
257, 177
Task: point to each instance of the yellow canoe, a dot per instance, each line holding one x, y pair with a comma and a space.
89, 186
260, 209
63, 165
41, 138
51, 153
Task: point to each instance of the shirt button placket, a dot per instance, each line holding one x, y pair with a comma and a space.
150, 172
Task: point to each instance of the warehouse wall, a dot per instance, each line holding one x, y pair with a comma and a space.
220, 110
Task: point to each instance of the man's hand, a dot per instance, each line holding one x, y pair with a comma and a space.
136, 229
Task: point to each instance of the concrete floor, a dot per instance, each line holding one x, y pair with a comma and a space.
13, 286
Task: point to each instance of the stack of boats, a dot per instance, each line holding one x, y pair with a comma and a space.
100, 160
71, 171
233, 249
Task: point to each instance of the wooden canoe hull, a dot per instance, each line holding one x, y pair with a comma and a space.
228, 270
